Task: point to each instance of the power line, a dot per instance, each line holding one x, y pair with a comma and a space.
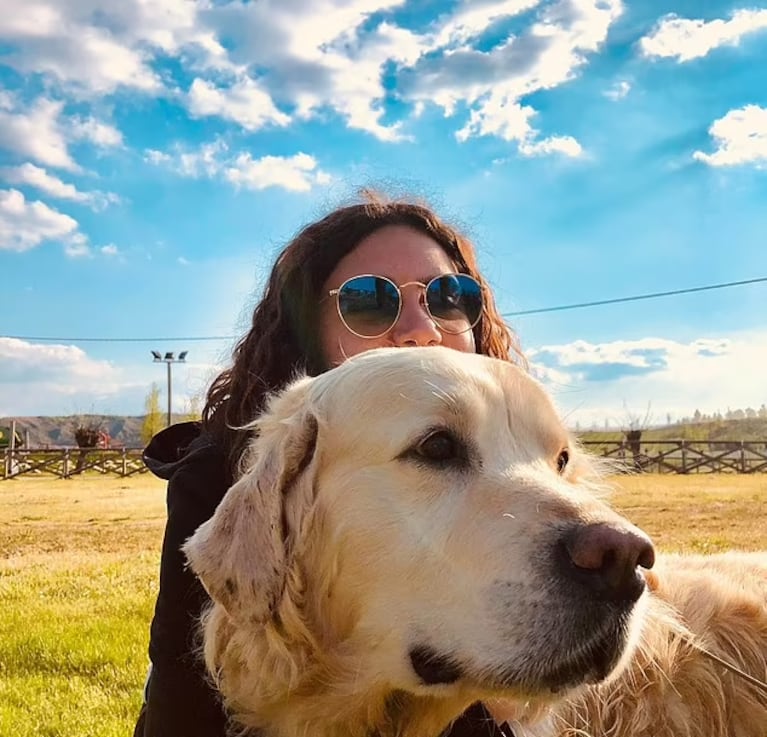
40, 339
538, 311
634, 298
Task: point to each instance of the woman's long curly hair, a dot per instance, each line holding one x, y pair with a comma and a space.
283, 338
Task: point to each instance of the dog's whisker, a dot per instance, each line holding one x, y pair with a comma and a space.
442, 395
753, 680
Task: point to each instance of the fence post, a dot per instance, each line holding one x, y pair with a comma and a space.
125, 462
684, 456
742, 457
66, 464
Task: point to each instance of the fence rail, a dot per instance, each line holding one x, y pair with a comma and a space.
67, 462
684, 456
657, 456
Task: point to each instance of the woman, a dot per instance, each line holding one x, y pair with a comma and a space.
365, 276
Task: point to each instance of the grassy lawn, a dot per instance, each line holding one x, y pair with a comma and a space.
78, 578
701, 513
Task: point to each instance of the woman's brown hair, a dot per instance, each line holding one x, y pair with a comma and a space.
283, 338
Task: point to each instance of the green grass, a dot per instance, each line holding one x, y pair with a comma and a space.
76, 599
78, 579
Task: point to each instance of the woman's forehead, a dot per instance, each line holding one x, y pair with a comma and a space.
398, 252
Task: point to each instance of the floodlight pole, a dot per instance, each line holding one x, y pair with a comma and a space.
168, 360
170, 383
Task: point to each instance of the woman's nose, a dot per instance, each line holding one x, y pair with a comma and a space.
415, 326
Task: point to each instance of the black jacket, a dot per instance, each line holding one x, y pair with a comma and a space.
179, 702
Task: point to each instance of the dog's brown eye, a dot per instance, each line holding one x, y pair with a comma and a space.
439, 446
562, 460
439, 449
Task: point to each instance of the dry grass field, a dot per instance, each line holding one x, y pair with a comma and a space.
78, 577
702, 513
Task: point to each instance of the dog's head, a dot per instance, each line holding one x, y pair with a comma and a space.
426, 515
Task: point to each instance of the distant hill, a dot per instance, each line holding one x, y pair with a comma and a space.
59, 432
750, 429
125, 431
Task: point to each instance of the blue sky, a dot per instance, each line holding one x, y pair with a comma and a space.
154, 157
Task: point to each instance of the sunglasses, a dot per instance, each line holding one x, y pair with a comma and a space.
369, 305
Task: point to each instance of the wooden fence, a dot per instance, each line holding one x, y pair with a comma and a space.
657, 456
67, 462
684, 456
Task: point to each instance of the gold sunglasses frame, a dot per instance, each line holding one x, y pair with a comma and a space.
399, 287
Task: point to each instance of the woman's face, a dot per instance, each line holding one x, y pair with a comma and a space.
403, 255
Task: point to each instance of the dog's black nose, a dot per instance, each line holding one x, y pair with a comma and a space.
606, 559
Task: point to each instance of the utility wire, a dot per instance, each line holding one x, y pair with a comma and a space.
635, 298
197, 338
538, 311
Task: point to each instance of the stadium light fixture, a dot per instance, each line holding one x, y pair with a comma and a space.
169, 360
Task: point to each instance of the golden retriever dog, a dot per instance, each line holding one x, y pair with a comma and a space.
697, 667
415, 531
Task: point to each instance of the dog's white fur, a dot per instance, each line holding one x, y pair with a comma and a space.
342, 548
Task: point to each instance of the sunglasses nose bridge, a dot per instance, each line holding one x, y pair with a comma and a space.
422, 300
413, 284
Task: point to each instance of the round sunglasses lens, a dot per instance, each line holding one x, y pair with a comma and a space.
369, 305
455, 302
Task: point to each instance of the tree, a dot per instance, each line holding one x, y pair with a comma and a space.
87, 432
153, 420
192, 411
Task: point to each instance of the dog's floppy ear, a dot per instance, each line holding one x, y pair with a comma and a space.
242, 553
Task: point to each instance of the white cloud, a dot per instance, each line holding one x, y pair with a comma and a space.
472, 18
511, 122
37, 134
618, 91
565, 145
110, 250
34, 176
24, 224
244, 103
492, 83
63, 379
153, 156
594, 382
206, 161
688, 39
56, 39
317, 56
97, 132
77, 246
309, 47
20, 360
96, 51
297, 173
42, 132
741, 138
57, 379
292, 61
